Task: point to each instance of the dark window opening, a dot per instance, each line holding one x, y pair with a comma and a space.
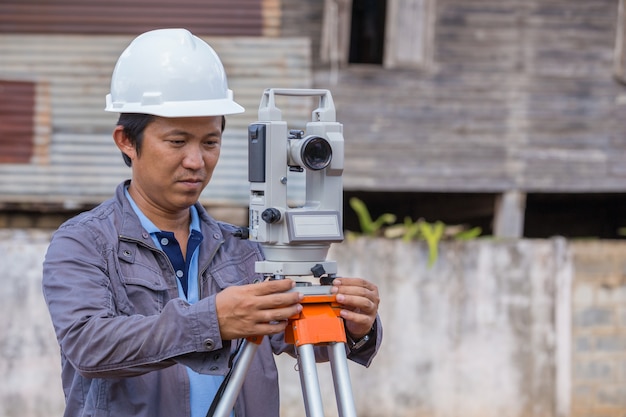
601, 216
367, 34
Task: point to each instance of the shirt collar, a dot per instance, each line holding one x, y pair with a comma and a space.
150, 227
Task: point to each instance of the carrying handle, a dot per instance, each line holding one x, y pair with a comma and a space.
324, 113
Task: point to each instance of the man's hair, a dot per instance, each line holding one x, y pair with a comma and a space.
134, 125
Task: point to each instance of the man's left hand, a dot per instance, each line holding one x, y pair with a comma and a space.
359, 300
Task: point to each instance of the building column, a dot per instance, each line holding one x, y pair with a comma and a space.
509, 214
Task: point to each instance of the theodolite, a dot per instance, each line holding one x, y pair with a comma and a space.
296, 238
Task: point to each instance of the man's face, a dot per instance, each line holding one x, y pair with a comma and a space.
177, 159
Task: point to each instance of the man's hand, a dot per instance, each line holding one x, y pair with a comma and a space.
256, 309
359, 300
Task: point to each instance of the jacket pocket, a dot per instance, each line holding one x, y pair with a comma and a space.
145, 286
234, 269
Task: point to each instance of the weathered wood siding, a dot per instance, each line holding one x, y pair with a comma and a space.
520, 96
303, 18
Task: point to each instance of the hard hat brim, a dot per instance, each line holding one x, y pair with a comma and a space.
194, 108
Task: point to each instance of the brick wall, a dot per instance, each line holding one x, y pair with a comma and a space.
599, 330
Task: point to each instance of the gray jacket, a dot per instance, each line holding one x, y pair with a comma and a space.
124, 334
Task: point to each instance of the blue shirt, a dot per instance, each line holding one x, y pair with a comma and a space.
202, 387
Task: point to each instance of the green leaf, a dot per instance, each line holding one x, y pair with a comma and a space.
432, 234
469, 234
368, 226
412, 229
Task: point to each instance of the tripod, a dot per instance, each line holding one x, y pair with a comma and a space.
318, 324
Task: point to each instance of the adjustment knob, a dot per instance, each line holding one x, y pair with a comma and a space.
270, 215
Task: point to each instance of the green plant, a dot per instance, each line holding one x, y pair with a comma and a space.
410, 230
432, 234
368, 226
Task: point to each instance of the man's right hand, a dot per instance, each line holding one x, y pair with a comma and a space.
256, 309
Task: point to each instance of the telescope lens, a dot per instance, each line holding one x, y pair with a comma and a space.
316, 153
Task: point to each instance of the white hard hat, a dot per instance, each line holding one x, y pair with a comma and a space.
170, 73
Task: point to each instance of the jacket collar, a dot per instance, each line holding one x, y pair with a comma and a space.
131, 228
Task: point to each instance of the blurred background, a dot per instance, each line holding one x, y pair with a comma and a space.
504, 117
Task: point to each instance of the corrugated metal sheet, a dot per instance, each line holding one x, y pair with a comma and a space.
211, 18
80, 164
17, 103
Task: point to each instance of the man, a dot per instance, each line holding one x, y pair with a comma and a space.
149, 296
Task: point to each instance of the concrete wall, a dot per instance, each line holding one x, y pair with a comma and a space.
515, 328
473, 336
29, 355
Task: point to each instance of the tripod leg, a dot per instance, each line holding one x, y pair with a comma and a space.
227, 402
341, 379
310, 382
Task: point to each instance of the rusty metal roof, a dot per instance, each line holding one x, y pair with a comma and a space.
211, 18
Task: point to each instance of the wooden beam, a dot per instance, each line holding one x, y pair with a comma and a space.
509, 215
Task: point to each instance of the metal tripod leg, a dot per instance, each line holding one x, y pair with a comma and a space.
341, 379
310, 383
240, 369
